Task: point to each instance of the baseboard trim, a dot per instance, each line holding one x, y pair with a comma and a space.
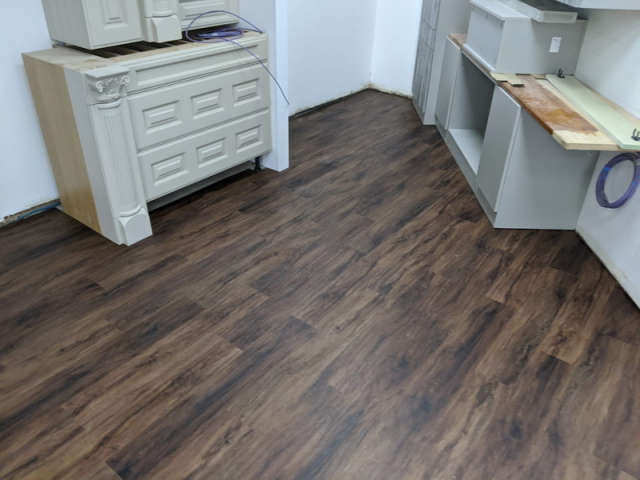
155, 204
370, 86
9, 219
383, 89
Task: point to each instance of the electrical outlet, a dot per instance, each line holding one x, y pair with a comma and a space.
555, 44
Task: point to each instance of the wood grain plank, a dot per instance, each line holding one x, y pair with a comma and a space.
354, 317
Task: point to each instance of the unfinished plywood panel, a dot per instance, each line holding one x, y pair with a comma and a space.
558, 117
598, 110
53, 104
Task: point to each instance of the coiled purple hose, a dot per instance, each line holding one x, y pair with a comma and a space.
229, 34
602, 180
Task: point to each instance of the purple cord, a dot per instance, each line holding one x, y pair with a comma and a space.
229, 34
602, 180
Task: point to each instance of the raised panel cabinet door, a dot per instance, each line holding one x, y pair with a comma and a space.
160, 70
188, 10
163, 114
175, 165
503, 124
450, 68
113, 21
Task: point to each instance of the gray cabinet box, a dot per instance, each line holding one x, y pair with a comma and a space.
507, 41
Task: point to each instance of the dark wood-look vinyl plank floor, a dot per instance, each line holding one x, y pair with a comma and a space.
355, 317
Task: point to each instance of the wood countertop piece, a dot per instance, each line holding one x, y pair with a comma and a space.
558, 116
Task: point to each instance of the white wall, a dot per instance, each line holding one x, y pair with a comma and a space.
25, 175
395, 45
338, 47
610, 63
330, 49
610, 57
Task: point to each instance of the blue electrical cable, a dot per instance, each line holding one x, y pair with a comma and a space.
602, 180
229, 34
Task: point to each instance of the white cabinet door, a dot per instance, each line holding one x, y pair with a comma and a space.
502, 127
175, 165
450, 69
190, 9
160, 115
113, 22
545, 185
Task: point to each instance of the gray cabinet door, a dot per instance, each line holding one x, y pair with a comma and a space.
498, 144
450, 68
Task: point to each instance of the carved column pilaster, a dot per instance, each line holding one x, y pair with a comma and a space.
107, 89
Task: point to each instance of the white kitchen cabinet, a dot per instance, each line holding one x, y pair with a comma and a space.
94, 24
497, 146
125, 129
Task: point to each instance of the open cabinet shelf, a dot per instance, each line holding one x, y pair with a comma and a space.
470, 112
470, 142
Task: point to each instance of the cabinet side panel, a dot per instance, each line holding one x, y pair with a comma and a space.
66, 21
545, 185
450, 66
57, 121
502, 127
